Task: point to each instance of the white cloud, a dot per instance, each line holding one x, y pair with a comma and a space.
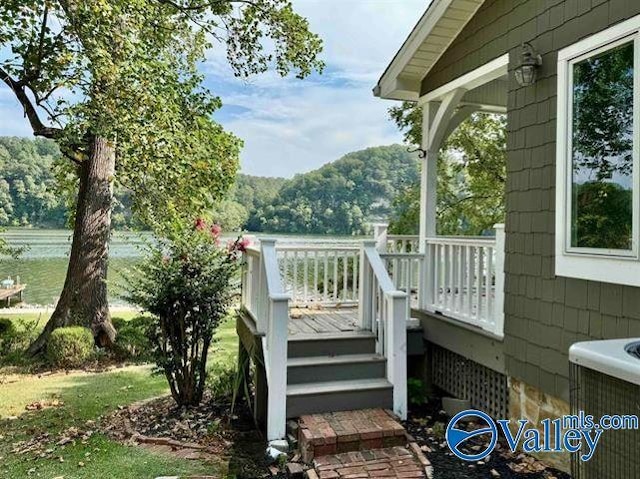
290, 126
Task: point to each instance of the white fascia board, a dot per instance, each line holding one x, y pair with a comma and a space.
425, 25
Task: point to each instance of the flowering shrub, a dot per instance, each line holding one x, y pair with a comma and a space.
188, 283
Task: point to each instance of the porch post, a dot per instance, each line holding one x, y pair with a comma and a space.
428, 179
436, 118
428, 198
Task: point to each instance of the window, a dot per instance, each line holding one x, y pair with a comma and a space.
597, 189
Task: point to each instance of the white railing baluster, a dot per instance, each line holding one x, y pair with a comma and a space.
315, 277
345, 276
465, 279
489, 287
305, 278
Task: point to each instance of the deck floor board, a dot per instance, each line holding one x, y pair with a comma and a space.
320, 321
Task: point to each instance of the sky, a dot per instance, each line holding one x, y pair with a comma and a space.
292, 126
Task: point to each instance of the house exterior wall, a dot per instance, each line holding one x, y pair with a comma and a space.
544, 314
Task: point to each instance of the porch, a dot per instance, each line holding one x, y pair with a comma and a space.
328, 322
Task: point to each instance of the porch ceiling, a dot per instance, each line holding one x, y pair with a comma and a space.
436, 29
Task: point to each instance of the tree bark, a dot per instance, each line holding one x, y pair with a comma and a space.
83, 300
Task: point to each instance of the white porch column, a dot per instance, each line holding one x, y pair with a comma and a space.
436, 120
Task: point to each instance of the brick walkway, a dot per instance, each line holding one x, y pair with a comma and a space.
362, 444
331, 433
393, 462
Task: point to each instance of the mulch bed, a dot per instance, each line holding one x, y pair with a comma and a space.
209, 432
427, 425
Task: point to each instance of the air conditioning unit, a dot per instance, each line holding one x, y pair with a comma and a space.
605, 380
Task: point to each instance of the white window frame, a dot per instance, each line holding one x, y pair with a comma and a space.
611, 266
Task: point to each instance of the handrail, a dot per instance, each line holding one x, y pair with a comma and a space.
264, 298
318, 247
384, 310
463, 240
400, 237
379, 271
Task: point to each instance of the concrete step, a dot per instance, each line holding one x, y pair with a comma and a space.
304, 370
319, 397
352, 342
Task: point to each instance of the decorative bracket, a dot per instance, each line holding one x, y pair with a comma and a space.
421, 153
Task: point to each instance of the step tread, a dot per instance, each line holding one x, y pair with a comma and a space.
329, 387
335, 359
330, 336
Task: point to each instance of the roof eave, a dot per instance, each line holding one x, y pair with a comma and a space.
392, 85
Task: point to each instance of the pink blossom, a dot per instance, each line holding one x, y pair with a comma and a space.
200, 224
243, 244
216, 229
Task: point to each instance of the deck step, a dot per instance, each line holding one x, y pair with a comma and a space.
335, 368
318, 397
352, 342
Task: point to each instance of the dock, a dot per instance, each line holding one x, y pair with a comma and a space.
7, 294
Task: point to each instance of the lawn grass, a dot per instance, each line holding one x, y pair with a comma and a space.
87, 396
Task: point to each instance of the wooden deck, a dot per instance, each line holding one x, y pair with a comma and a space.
325, 320
7, 293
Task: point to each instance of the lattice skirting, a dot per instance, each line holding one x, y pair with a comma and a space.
485, 388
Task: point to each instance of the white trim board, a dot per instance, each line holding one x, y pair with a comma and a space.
488, 72
437, 28
619, 267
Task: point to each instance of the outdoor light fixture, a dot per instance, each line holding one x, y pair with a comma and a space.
531, 60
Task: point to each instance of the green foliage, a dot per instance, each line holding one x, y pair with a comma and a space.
31, 194
126, 71
15, 337
417, 391
341, 197
70, 347
187, 282
6, 327
222, 381
604, 221
133, 342
471, 176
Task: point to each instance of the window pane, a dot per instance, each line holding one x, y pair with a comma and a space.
602, 159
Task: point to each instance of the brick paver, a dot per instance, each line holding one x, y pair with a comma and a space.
392, 462
364, 444
344, 431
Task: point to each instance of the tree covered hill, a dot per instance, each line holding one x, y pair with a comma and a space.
341, 197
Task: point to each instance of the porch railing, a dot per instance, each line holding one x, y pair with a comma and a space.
384, 310
459, 277
406, 270
465, 279
320, 274
265, 299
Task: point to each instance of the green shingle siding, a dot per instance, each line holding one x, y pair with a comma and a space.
545, 314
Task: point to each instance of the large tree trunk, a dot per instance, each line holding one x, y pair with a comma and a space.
83, 300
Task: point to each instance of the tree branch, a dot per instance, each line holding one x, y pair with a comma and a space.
39, 128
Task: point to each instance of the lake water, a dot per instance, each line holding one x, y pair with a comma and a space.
43, 266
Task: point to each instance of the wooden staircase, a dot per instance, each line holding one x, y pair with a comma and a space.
336, 373
308, 373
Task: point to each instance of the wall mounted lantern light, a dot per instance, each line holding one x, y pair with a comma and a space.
527, 70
